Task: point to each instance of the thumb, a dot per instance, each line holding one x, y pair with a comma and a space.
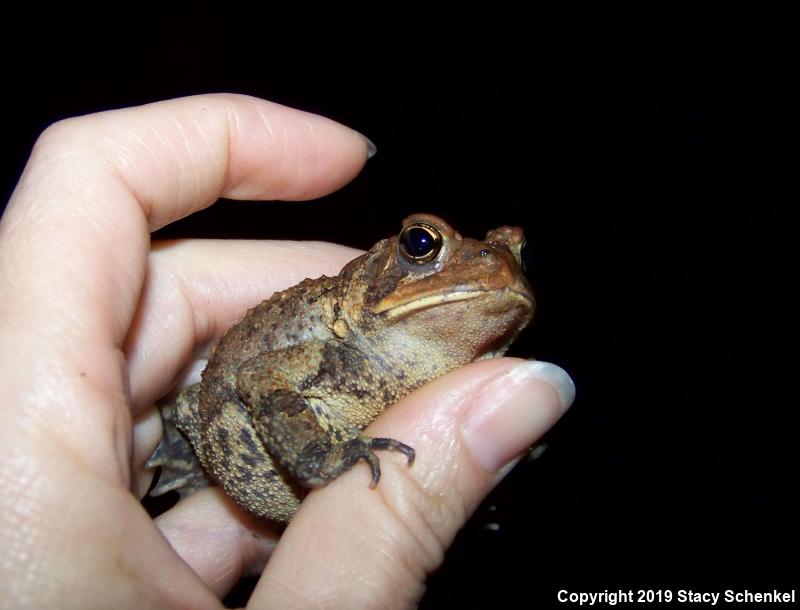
353, 547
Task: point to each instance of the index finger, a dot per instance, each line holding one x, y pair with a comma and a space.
103, 181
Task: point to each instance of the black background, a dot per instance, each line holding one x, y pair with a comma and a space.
650, 155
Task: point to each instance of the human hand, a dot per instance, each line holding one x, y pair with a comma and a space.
95, 325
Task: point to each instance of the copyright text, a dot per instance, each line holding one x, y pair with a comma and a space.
679, 596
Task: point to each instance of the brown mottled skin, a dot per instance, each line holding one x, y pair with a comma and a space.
284, 398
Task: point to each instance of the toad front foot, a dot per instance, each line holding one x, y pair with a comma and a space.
344, 455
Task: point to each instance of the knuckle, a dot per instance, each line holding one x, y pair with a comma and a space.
63, 145
65, 133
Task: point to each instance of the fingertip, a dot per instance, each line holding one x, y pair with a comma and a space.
279, 152
513, 410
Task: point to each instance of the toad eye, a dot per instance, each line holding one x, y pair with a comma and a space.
420, 242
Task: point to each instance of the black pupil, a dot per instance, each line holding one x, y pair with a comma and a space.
418, 242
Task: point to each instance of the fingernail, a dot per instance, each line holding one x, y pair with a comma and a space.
371, 148
514, 411
558, 379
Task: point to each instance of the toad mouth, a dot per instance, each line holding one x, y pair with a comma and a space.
396, 309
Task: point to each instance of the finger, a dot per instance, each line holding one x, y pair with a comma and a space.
196, 289
101, 181
467, 428
216, 539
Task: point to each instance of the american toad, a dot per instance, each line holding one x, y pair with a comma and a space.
288, 390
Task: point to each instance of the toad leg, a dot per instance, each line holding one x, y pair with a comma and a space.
303, 429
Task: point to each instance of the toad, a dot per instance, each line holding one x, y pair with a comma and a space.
283, 400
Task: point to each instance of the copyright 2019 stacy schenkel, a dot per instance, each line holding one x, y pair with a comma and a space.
680, 596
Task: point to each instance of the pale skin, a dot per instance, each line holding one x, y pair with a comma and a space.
96, 323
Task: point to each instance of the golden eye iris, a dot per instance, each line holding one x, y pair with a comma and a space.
420, 242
